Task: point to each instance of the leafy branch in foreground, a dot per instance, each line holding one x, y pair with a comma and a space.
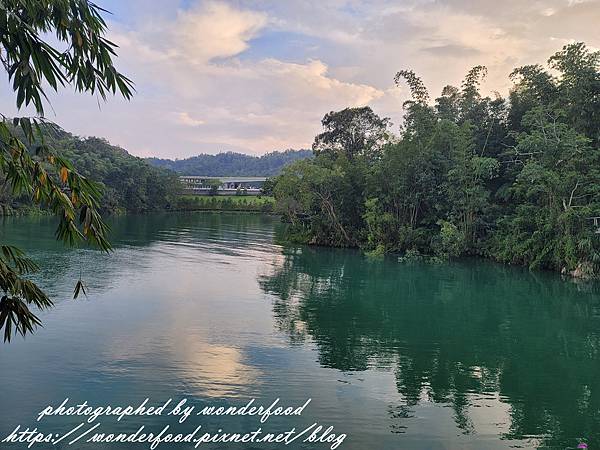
29, 60
14, 312
38, 171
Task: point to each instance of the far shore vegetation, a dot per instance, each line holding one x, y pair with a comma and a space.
128, 184
248, 203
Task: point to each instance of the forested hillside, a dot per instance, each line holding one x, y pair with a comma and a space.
128, 183
514, 179
233, 164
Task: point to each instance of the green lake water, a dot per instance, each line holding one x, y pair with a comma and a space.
214, 309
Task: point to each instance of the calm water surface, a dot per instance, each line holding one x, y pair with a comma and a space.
210, 307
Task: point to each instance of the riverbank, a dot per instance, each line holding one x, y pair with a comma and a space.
22, 210
255, 204
583, 270
266, 204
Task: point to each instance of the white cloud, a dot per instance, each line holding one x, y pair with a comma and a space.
214, 30
199, 90
221, 102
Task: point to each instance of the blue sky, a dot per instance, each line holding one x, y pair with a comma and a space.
258, 75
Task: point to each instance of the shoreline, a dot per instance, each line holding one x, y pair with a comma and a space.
403, 258
217, 210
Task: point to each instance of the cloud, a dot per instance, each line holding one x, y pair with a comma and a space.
185, 119
189, 68
258, 75
214, 30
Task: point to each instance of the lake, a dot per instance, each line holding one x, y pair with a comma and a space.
215, 309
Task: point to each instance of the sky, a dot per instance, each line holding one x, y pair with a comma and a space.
256, 76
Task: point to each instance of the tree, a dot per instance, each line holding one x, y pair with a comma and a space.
352, 132
553, 165
574, 88
324, 197
467, 194
214, 185
556, 189
579, 87
518, 181
32, 64
268, 186
420, 117
319, 198
447, 105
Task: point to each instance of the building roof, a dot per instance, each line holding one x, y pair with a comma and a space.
224, 179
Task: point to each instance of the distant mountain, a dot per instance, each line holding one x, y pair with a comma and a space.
232, 164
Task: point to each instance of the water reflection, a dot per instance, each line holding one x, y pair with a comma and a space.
163, 316
211, 307
200, 367
513, 354
138, 240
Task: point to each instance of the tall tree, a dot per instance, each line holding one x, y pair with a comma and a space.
352, 132
579, 87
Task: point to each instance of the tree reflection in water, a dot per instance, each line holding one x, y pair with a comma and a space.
453, 334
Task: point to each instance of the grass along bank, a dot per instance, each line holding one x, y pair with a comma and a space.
262, 203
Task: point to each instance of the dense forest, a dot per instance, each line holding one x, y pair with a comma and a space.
128, 183
516, 179
233, 164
